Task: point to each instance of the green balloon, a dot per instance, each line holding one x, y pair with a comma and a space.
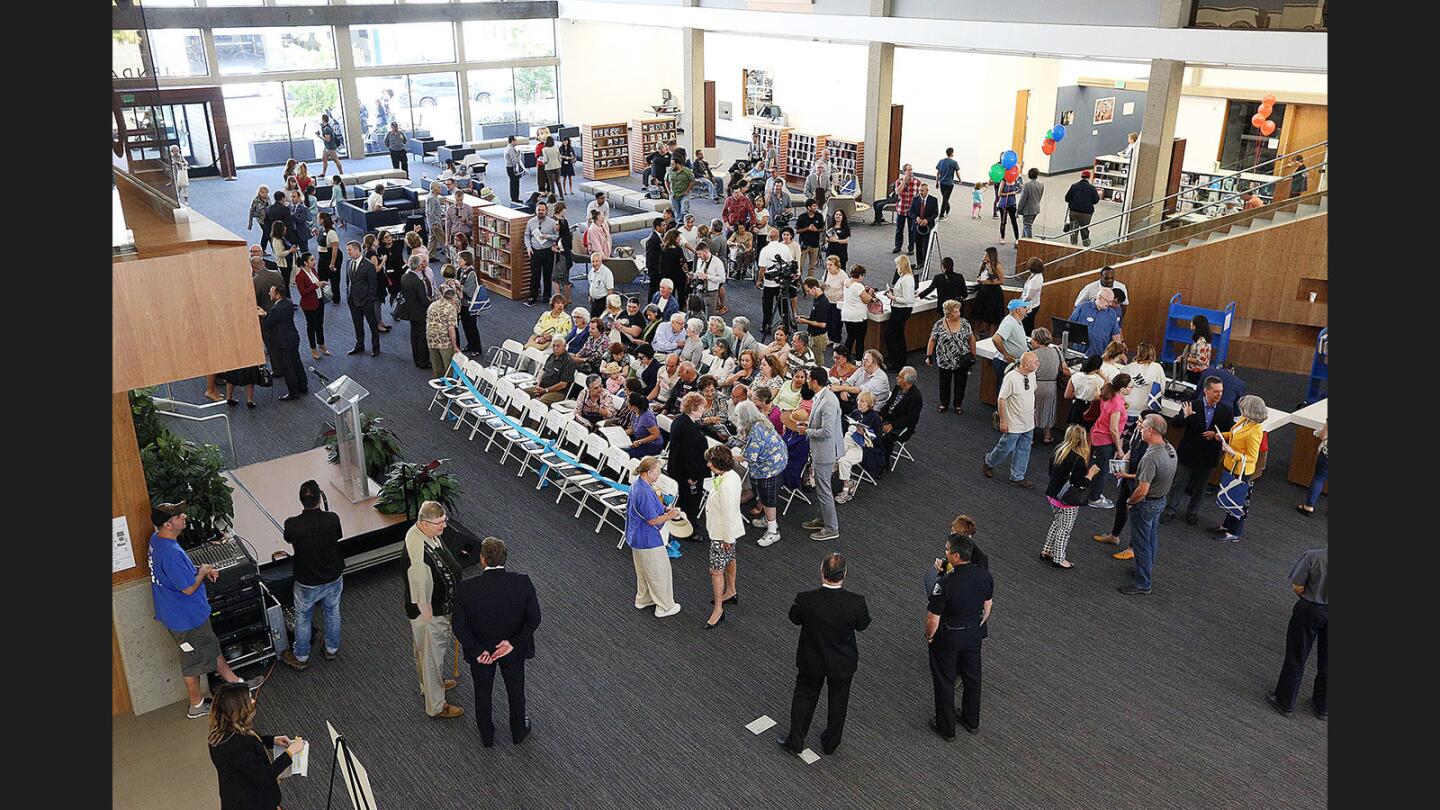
997, 173
1050, 133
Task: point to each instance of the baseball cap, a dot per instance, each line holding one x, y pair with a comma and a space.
162, 512
1016, 304
1085, 174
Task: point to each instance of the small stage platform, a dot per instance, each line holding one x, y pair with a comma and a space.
267, 493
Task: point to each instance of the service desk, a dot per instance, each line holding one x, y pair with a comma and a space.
1307, 421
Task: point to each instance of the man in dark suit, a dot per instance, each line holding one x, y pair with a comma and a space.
652, 257
263, 279
495, 619
277, 324
278, 211
924, 212
364, 299
1198, 454
415, 287
901, 413
829, 618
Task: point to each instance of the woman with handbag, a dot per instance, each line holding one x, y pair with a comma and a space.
312, 295
470, 286
645, 515
902, 298
1106, 435
1239, 463
1071, 474
854, 311
1051, 374
989, 298
951, 351
1082, 390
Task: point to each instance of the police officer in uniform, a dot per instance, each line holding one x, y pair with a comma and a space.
954, 625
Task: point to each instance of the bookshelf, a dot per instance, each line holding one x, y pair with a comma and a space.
847, 160
800, 157
776, 136
1109, 175
1200, 192
604, 151
646, 134
500, 249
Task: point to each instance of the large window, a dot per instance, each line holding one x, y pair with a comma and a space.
271, 122
1243, 146
125, 59
402, 44
427, 104
494, 40
512, 101
265, 50
177, 51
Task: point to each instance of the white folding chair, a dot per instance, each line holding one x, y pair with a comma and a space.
577, 387
483, 416
789, 494
605, 500
580, 483
533, 419
515, 408
898, 453
616, 436
572, 443
446, 385
551, 431
507, 354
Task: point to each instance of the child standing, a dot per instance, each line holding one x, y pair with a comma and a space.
976, 199
182, 175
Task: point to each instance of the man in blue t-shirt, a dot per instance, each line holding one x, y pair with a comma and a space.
1102, 317
181, 604
947, 173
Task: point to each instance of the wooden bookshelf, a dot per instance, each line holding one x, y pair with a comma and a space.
646, 135
847, 160
800, 156
770, 135
604, 151
1109, 175
500, 254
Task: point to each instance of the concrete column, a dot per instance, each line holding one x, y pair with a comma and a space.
879, 87
467, 132
1150, 166
692, 101
349, 94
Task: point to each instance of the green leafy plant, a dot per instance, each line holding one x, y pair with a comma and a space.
180, 470
147, 418
382, 448
422, 483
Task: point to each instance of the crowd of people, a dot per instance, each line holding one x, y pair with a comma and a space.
751, 413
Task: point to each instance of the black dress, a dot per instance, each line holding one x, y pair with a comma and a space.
672, 266
989, 300
840, 249
247, 776
395, 265
249, 375
567, 160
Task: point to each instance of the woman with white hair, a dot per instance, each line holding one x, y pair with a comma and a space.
258, 206
575, 338
862, 443
1240, 464
645, 514
694, 346
765, 457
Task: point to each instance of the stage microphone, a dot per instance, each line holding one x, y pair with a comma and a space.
320, 374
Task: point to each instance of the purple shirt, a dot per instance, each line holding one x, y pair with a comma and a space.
642, 506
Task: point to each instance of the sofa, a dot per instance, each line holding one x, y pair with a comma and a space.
455, 152
420, 147
399, 202
621, 196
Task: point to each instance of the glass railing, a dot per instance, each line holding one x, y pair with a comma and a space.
1261, 15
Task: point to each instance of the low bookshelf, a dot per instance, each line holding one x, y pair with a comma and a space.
604, 151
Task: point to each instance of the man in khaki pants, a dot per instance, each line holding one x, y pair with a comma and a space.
433, 579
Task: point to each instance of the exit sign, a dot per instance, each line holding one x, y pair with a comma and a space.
127, 99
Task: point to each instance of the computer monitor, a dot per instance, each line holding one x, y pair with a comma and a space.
1079, 333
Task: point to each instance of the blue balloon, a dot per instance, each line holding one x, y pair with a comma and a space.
1008, 159
1057, 133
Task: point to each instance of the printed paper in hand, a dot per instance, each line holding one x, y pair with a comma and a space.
122, 554
300, 763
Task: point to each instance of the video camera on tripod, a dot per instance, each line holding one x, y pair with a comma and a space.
786, 274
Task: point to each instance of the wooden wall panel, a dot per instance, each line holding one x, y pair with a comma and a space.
119, 686
183, 316
128, 493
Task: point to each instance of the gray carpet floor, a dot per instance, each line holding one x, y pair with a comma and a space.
1092, 699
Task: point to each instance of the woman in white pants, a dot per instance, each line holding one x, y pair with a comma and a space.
866, 415
645, 513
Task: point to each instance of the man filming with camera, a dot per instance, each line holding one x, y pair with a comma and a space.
775, 266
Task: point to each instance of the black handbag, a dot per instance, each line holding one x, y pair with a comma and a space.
1072, 495
266, 377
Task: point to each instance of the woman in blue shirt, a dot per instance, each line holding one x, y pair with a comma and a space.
1005, 204
766, 456
645, 436
644, 515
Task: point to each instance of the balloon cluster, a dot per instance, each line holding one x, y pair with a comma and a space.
1053, 136
1261, 119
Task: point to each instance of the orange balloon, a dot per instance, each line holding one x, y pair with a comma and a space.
1258, 121
1265, 109
1048, 146
1268, 100
1267, 129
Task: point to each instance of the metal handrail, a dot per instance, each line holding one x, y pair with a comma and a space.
1153, 203
1277, 157
1227, 196
160, 402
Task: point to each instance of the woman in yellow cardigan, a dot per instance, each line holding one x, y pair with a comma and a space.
1241, 453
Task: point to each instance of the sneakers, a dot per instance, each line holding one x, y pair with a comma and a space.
1228, 538
813, 524
197, 712
825, 534
253, 683
1126, 554
1131, 590
289, 659
847, 493
660, 614
332, 655
1102, 503
759, 522
448, 712
768, 539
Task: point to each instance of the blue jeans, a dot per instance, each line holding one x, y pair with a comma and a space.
306, 597
1317, 483
902, 229
1144, 528
1100, 456
679, 205
1017, 447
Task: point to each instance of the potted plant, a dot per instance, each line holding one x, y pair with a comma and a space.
179, 470
409, 485
146, 417
382, 448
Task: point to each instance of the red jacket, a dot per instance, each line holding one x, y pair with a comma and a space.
738, 208
309, 292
